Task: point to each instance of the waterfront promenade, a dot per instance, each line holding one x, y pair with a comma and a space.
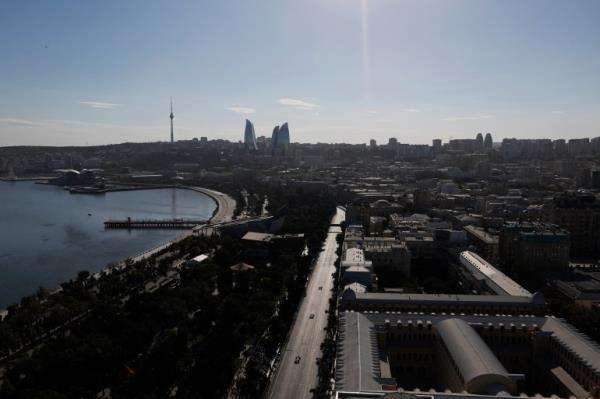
153, 223
223, 213
225, 204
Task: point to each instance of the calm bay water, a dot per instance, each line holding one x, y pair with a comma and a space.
47, 236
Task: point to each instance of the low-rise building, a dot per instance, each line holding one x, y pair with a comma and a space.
195, 261
438, 303
355, 257
394, 257
358, 274
578, 213
581, 287
476, 275
486, 244
468, 355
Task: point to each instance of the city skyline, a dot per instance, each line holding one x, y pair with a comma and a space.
357, 199
365, 70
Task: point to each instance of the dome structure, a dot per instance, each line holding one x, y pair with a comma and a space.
72, 177
381, 203
477, 366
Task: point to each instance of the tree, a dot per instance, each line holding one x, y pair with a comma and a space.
82, 276
224, 280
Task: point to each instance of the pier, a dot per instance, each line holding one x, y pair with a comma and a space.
153, 223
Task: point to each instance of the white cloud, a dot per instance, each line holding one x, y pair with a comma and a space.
412, 110
16, 121
242, 110
298, 104
558, 112
98, 104
468, 118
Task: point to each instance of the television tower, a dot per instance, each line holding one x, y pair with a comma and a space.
172, 116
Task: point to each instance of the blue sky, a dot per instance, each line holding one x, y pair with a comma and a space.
95, 72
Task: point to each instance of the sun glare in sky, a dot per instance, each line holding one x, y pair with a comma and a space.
103, 72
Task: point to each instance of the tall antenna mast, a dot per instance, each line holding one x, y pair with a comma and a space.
172, 116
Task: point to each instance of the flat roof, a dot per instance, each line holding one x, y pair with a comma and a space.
431, 394
199, 259
482, 234
501, 282
354, 255
394, 298
256, 236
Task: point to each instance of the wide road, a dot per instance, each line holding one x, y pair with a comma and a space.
295, 380
225, 205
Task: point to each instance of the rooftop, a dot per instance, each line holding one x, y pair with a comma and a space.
358, 353
501, 283
417, 299
355, 255
482, 234
199, 259
241, 267
258, 237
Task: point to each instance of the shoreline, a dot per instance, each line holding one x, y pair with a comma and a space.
18, 179
225, 205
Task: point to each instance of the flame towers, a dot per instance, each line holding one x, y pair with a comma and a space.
280, 139
283, 139
275, 136
488, 143
250, 136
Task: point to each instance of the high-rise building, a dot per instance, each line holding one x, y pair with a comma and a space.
172, 116
373, 143
249, 136
595, 145
579, 213
280, 139
275, 137
531, 246
479, 140
560, 147
261, 141
393, 142
595, 179
487, 142
579, 147
284, 135
437, 146
465, 145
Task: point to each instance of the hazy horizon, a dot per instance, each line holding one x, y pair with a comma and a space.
94, 73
